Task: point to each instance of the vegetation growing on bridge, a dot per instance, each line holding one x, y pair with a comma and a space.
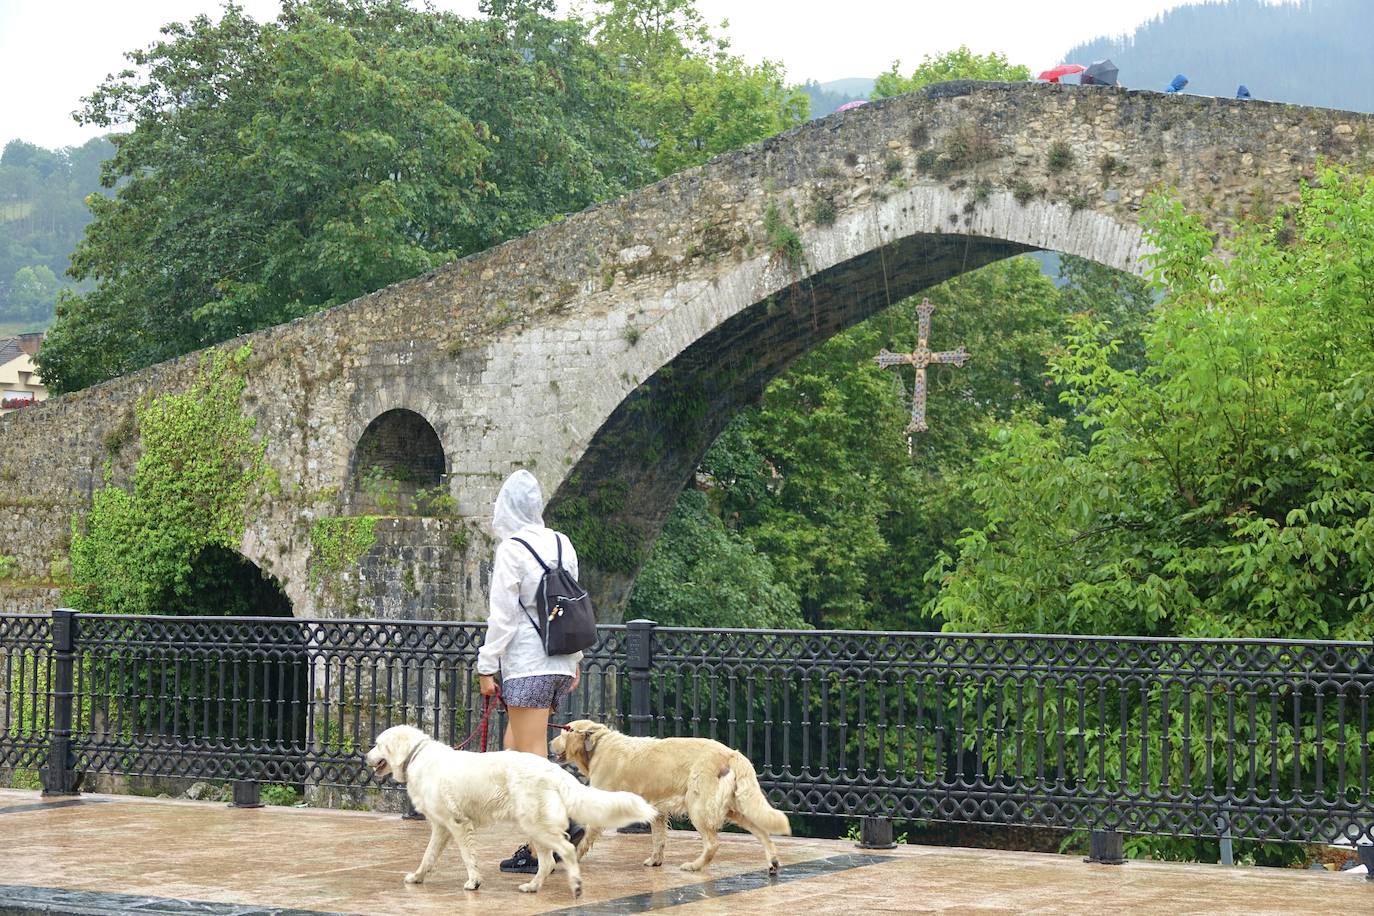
199, 471
338, 543
783, 239
588, 516
959, 64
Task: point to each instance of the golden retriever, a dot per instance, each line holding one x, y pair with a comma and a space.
458, 791
701, 778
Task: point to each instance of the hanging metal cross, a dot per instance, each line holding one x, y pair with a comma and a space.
920, 358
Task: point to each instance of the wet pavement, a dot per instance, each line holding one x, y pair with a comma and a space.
118, 854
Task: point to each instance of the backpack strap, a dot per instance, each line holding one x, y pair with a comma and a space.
558, 540
538, 559
535, 553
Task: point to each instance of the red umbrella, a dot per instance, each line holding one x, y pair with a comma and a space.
1054, 74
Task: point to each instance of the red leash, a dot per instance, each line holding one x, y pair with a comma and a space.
488, 707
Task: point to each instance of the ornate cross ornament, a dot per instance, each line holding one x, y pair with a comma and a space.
920, 358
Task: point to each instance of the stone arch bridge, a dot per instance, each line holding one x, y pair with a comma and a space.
607, 350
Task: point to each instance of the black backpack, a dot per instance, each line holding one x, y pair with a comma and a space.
565, 608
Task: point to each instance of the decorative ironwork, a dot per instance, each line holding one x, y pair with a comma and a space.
26, 662
1257, 739
920, 358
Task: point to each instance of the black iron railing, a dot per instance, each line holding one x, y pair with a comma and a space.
1241, 738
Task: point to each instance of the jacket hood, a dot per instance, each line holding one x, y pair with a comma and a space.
519, 505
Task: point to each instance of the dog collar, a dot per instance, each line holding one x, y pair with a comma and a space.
405, 765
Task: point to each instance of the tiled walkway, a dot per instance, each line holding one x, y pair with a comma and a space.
119, 854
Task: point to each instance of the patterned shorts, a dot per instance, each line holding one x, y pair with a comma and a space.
538, 691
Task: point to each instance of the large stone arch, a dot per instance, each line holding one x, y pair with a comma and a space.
768, 315
558, 351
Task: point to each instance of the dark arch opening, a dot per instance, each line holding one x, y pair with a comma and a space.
224, 583
397, 465
256, 692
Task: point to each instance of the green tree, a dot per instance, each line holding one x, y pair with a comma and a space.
690, 99
277, 169
33, 292
819, 476
959, 64
702, 556
1223, 490
42, 214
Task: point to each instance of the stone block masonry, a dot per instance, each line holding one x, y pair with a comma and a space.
604, 352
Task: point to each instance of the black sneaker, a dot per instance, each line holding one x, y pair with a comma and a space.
523, 862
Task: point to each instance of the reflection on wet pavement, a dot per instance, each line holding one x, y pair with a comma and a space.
117, 854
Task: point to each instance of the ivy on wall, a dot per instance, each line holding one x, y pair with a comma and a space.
191, 490
338, 543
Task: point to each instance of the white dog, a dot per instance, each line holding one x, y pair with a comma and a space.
459, 791
704, 779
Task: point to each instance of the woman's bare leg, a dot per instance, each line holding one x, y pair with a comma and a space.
527, 730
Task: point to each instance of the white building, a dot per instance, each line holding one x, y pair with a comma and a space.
20, 384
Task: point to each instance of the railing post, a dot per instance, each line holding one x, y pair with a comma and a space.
639, 658
59, 777
1105, 847
247, 794
875, 832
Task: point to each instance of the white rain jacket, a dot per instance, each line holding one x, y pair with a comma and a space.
512, 644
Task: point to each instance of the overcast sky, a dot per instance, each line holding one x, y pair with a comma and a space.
52, 52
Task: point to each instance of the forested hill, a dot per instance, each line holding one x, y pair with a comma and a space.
1311, 53
826, 97
42, 215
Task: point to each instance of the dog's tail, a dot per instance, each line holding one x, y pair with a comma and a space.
750, 800
608, 810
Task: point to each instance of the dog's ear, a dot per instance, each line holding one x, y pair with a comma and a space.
590, 735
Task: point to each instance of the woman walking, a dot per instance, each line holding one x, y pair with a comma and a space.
532, 682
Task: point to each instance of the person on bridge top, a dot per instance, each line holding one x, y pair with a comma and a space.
532, 682
1177, 83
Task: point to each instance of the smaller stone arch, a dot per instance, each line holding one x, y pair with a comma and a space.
397, 465
224, 582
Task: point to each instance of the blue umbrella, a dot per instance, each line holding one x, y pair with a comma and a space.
1177, 84
1242, 92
